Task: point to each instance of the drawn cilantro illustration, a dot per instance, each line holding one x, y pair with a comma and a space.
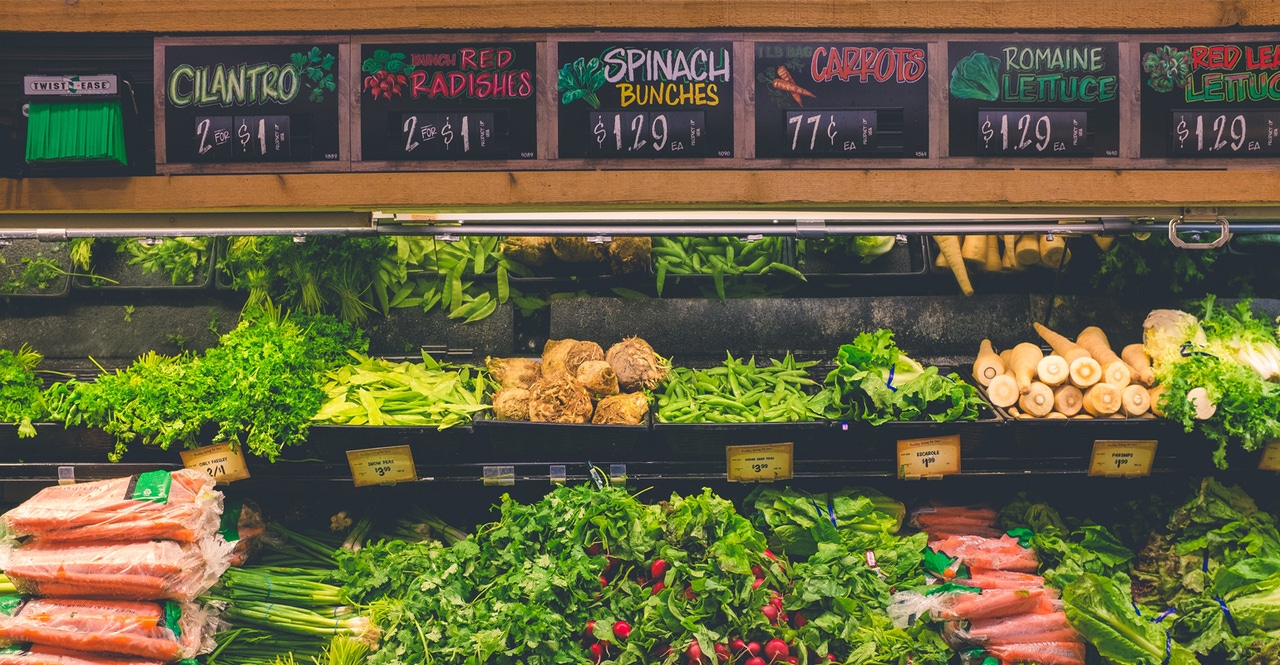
1168, 67
316, 70
975, 77
580, 80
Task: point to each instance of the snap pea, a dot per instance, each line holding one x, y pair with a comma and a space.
737, 391
720, 257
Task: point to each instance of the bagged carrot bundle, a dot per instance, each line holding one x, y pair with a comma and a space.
157, 505
156, 570
36, 654
165, 632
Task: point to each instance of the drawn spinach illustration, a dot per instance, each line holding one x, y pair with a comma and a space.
580, 80
315, 68
1168, 67
975, 77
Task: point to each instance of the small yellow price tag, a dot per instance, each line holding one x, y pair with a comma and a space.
1270, 456
222, 461
755, 464
1127, 459
933, 457
382, 466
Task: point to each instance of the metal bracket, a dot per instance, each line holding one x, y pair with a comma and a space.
1178, 242
448, 237
599, 240
51, 235
811, 228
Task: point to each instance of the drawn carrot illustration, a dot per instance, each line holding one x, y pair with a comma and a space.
786, 83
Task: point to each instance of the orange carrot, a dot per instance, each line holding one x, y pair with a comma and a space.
787, 86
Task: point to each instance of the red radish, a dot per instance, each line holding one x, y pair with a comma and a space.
597, 652
688, 593
776, 601
755, 660
657, 588
622, 629
659, 569
800, 621
792, 660
756, 584
603, 581
722, 652
694, 652
770, 612
609, 563
770, 555
594, 549
738, 645
757, 571
664, 650
591, 628
753, 648
832, 657
776, 650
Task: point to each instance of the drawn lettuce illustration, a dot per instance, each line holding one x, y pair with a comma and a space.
580, 80
1168, 67
975, 77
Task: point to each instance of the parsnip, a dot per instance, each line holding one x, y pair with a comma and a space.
1136, 400
1136, 357
1054, 415
1102, 399
1008, 259
974, 251
1104, 243
1053, 370
1052, 247
993, 254
1067, 400
949, 246
1038, 401
1022, 364
1153, 394
1003, 391
1114, 370
988, 365
1027, 251
1085, 371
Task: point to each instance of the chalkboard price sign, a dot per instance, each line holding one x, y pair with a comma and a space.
632, 133
1225, 133
440, 101
1034, 99
448, 135
212, 90
831, 132
1209, 98
641, 100
1019, 131
841, 100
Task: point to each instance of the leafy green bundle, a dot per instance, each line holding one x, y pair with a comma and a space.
876, 382
179, 258
1100, 609
259, 386
325, 274
20, 398
1066, 553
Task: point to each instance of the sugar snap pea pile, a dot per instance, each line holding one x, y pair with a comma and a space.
718, 256
373, 391
739, 392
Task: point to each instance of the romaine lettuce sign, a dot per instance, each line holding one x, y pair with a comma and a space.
251, 103
1042, 99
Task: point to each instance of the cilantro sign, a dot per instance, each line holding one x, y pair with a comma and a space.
248, 103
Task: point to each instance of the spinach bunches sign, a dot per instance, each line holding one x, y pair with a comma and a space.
1036, 99
645, 99
448, 101
251, 103
1211, 99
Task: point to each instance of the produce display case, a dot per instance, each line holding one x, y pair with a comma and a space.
26, 265
116, 266
910, 256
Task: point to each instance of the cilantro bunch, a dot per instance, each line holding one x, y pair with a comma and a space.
875, 381
259, 387
20, 400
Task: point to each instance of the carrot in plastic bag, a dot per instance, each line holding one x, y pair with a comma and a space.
122, 628
1000, 579
995, 603
159, 505
157, 570
1004, 553
1023, 629
1044, 653
44, 655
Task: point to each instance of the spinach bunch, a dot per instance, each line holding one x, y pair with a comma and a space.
179, 258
